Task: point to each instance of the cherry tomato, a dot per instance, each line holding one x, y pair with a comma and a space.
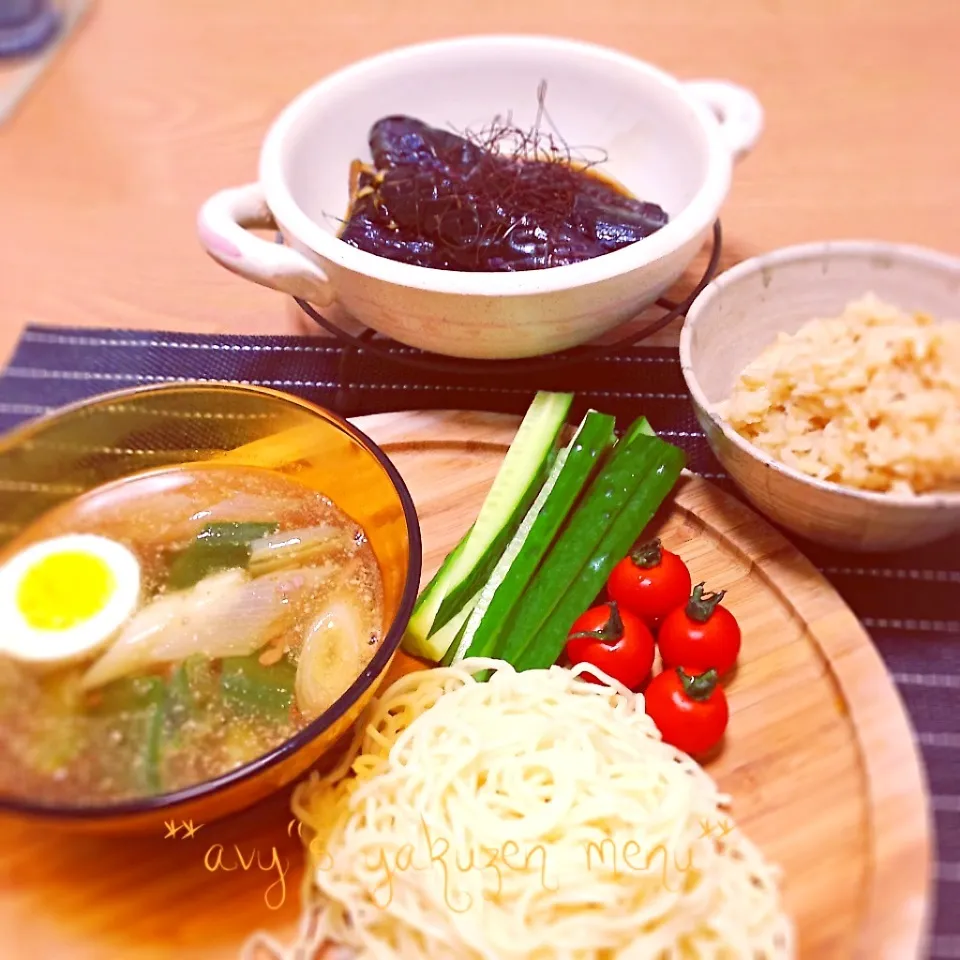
701, 635
614, 641
689, 708
650, 582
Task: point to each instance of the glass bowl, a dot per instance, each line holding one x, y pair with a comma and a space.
53, 459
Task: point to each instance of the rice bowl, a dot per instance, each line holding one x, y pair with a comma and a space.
778, 293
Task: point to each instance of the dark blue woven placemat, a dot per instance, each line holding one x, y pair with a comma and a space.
909, 602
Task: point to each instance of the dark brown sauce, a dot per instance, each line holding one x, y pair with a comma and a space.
435, 199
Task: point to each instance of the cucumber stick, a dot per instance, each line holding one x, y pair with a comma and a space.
451, 558
639, 428
626, 528
570, 474
637, 459
460, 619
516, 485
444, 637
455, 646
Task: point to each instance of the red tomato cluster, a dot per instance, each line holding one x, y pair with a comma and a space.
650, 595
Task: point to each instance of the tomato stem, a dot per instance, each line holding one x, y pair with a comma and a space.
611, 632
698, 688
701, 605
647, 554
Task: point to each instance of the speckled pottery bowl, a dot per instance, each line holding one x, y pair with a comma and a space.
743, 310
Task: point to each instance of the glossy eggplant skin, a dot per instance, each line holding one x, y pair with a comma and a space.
435, 199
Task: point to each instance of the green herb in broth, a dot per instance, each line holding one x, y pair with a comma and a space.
250, 688
153, 748
218, 546
133, 709
192, 685
192, 690
180, 699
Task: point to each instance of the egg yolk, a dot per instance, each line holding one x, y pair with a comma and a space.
64, 589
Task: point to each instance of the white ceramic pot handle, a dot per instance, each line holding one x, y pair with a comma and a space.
224, 224
737, 110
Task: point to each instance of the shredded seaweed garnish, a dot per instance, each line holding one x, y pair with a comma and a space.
500, 198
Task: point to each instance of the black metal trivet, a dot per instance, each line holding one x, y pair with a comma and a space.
438, 363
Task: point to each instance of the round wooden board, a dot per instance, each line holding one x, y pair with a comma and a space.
819, 758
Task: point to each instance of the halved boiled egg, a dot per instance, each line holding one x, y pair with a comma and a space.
64, 598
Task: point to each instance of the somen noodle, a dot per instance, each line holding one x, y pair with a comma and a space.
532, 816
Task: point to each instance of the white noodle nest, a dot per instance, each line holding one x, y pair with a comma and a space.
533, 816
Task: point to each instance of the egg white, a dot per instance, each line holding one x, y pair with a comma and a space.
25, 642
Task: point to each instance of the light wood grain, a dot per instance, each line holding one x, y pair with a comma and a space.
155, 104
819, 756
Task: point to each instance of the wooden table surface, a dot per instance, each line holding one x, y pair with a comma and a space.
155, 104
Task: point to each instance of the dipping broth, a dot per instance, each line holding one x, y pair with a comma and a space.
165, 629
435, 199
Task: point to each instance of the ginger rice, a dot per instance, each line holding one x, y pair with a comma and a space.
869, 399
